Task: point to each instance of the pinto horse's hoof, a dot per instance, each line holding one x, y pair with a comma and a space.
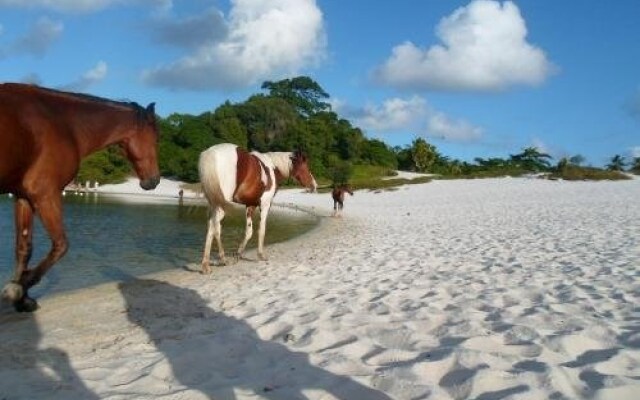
26, 304
12, 292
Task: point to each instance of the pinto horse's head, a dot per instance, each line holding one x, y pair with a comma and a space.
300, 171
141, 148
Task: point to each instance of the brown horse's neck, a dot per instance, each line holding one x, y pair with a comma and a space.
99, 131
93, 122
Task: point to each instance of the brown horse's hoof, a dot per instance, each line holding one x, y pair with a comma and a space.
26, 304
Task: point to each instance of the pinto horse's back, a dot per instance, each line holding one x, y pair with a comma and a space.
217, 169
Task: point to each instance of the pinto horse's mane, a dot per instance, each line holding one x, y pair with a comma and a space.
141, 112
282, 161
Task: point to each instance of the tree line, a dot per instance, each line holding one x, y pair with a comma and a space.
294, 114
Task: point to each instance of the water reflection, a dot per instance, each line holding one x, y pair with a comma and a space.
112, 240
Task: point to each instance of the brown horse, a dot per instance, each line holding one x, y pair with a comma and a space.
44, 134
230, 174
338, 198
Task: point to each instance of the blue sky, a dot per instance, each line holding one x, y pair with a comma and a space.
478, 78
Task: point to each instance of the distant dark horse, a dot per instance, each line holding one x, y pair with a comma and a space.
230, 174
338, 198
44, 134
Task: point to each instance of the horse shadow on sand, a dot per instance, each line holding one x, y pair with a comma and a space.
28, 371
223, 357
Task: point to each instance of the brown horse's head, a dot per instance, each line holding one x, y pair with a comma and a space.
300, 171
141, 146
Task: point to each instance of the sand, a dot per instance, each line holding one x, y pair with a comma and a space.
479, 289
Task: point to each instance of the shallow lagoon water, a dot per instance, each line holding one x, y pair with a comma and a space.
114, 240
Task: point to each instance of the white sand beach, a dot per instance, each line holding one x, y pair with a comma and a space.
471, 289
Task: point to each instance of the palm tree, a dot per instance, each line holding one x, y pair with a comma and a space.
563, 164
616, 163
424, 155
635, 166
577, 160
532, 159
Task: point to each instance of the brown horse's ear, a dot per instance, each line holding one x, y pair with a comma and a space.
151, 108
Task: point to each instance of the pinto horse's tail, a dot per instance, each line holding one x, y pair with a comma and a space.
209, 166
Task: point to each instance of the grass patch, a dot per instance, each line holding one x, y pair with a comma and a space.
388, 184
490, 173
574, 173
373, 177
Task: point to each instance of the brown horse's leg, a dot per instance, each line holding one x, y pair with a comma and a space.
50, 211
248, 231
23, 214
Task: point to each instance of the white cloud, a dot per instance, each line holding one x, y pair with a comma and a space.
632, 105
541, 146
484, 48
265, 40
61, 5
90, 77
36, 41
393, 114
190, 32
39, 38
635, 151
32, 78
80, 6
412, 114
441, 126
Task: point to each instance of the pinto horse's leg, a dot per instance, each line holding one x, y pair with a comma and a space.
214, 229
264, 212
219, 216
13, 291
248, 232
206, 267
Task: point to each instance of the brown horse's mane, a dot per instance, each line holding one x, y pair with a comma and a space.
132, 105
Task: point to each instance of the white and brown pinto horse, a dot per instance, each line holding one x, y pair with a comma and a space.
231, 174
338, 198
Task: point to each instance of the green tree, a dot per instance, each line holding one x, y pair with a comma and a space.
270, 122
376, 152
105, 166
302, 92
577, 160
423, 155
563, 164
617, 163
340, 171
403, 155
532, 159
227, 127
182, 138
635, 166
492, 163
